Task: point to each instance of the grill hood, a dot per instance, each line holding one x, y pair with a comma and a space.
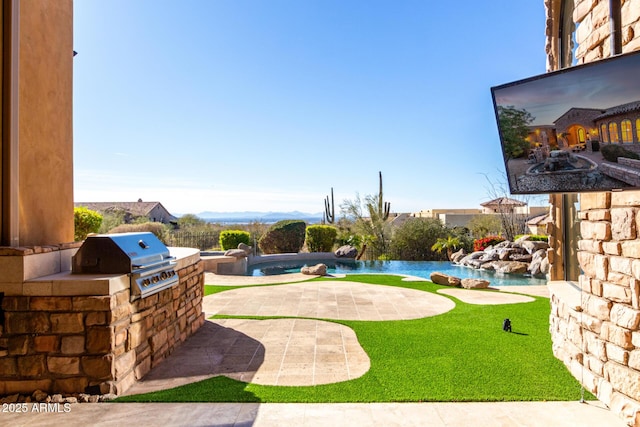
120, 253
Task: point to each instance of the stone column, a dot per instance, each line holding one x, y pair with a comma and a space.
37, 154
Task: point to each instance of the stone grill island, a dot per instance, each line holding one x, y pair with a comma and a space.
82, 333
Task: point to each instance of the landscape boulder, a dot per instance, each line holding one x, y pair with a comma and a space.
487, 266
532, 246
246, 248
471, 260
346, 251
544, 266
520, 257
315, 270
505, 254
476, 263
457, 256
489, 256
503, 245
536, 267
39, 396
445, 280
510, 267
523, 238
236, 253
475, 284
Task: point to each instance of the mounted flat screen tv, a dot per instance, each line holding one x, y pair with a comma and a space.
574, 130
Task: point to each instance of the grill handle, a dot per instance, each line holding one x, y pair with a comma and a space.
156, 264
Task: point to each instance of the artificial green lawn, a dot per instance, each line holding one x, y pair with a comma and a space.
462, 355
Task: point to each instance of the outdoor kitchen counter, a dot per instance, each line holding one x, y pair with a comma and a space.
185, 256
67, 284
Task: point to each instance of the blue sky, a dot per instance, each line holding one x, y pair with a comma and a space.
264, 105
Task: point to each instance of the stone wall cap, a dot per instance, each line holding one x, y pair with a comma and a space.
219, 258
185, 256
567, 292
68, 284
32, 250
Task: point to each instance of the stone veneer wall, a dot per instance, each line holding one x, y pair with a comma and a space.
595, 322
593, 29
64, 343
594, 326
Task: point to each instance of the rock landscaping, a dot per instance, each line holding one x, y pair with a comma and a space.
445, 280
519, 257
243, 251
523, 256
40, 396
346, 251
475, 283
318, 269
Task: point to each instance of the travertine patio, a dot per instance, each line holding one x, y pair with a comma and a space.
302, 351
240, 348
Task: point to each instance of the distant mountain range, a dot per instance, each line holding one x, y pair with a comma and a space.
249, 216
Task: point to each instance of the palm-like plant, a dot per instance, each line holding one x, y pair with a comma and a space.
450, 243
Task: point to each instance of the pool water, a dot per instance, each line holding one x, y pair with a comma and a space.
413, 268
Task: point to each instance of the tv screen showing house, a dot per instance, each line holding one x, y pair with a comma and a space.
574, 130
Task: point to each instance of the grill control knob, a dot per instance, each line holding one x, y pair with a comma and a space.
155, 279
164, 275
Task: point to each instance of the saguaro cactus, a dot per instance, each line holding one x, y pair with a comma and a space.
330, 209
383, 207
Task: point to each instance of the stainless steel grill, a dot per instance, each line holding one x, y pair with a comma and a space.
140, 255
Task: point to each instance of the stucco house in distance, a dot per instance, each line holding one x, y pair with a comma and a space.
152, 210
504, 205
619, 124
576, 126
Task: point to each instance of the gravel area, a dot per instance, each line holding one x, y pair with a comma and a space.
560, 182
567, 182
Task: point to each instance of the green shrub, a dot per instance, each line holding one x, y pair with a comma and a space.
85, 221
484, 225
283, 237
320, 238
412, 241
156, 228
611, 152
349, 239
534, 237
111, 218
230, 239
482, 244
191, 221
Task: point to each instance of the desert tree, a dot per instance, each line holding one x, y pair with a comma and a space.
484, 225
513, 221
449, 243
415, 239
514, 127
375, 228
191, 221
374, 231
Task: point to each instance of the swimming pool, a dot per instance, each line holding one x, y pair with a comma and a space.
414, 268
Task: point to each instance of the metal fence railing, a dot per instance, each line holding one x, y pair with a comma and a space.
202, 240
209, 239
